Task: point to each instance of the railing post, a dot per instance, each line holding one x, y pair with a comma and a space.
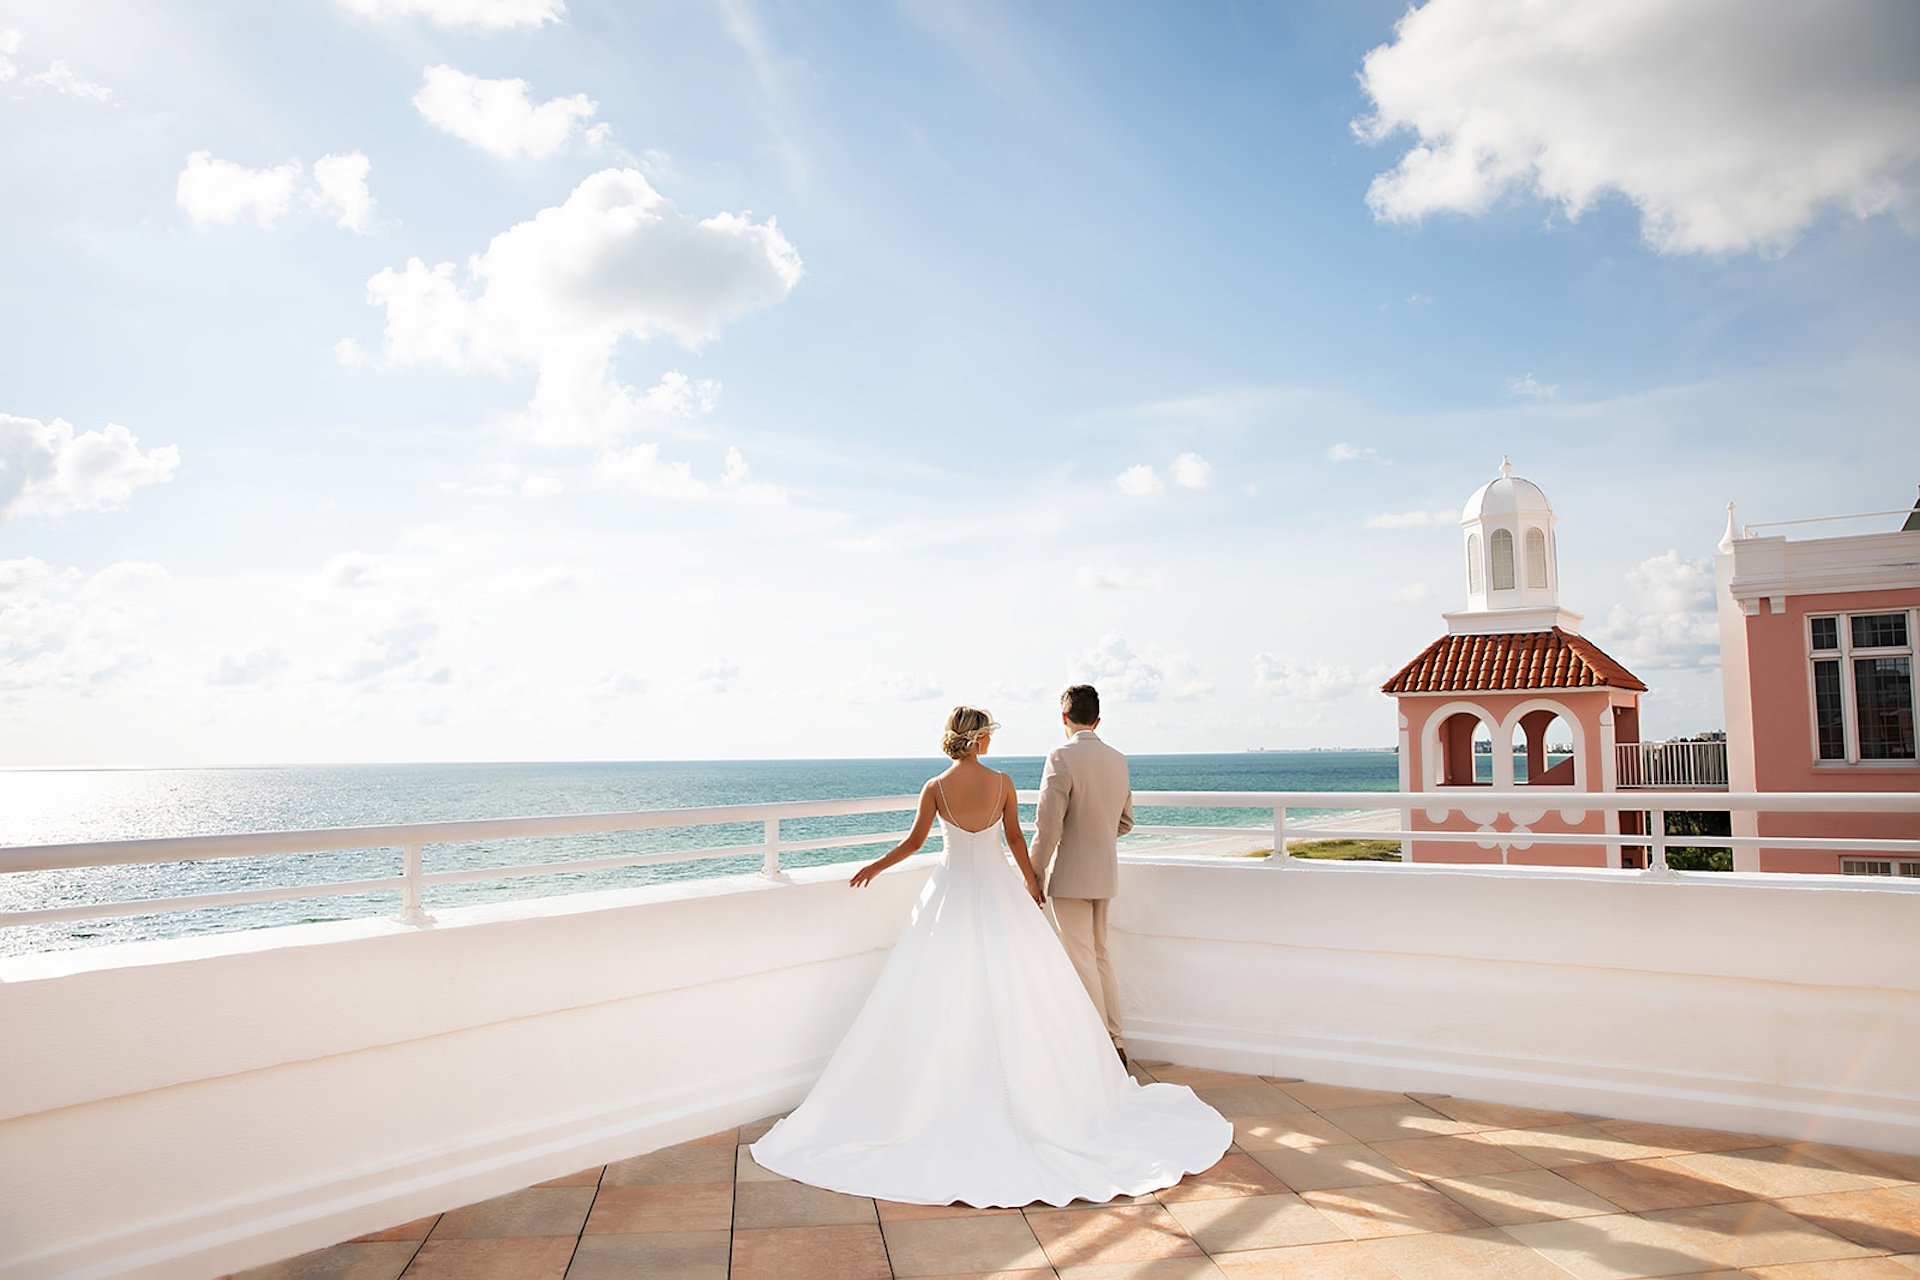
412, 906
1281, 858
770, 858
1657, 843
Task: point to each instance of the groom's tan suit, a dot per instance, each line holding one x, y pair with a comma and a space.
1086, 805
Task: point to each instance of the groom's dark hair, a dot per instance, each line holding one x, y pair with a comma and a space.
1081, 702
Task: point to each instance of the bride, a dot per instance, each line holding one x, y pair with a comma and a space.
978, 1070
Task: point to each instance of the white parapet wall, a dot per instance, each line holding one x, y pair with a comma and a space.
191, 1107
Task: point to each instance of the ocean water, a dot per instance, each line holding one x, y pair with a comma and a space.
61, 806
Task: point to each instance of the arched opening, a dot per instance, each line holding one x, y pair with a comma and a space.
1475, 577
1464, 757
1537, 559
1501, 544
1543, 748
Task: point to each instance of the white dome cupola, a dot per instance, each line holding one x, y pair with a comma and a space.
1512, 561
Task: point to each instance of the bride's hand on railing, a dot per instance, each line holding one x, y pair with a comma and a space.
864, 875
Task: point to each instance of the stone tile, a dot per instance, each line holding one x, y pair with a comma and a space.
1345, 1260
747, 1169
1322, 1168
721, 1138
532, 1211
1330, 1097
685, 1255
1884, 1218
670, 1207
1248, 1097
1396, 1120
1617, 1247
1556, 1146
1491, 1115
1302, 1129
1234, 1175
1454, 1156
946, 1246
368, 1260
847, 1251
1129, 1233
1755, 1235
582, 1178
1254, 1222
1883, 1164
1037, 1273
1197, 1268
1843, 1269
689, 1163
415, 1230
1040, 1206
1772, 1173
795, 1204
1639, 1185
1398, 1209
1488, 1254
1526, 1195
1671, 1139
758, 1129
895, 1211
542, 1258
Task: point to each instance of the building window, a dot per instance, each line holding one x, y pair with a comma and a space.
1473, 564
1501, 544
1878, 867
1863, 694
1536, 559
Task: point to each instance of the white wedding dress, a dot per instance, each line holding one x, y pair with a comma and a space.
978, 1070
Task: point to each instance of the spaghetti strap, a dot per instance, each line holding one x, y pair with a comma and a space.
951, 816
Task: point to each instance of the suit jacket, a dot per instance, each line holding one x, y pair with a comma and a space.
1086, 805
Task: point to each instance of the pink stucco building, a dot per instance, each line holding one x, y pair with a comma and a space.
1816, 657
1514, 666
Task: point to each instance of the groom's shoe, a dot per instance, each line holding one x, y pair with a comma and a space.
1123, 1055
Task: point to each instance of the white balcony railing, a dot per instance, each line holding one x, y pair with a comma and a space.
1275, 830
1671, 764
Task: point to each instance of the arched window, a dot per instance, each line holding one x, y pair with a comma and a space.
1502, 545
1473, 564
1536, 558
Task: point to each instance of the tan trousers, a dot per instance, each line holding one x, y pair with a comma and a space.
1082, 926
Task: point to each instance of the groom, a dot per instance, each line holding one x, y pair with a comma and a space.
1085, 807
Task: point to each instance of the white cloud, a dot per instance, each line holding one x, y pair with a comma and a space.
717, 678
339, 190
1190, 471
1730, 126
1344, 452
349, 354
1412, 519
500, 116
1121, 674
1419, 299
1116, 578
560, 289
220, 193
399, 647
492, 15
61, 630
1139, 482
889, 686
578, 401
47, 470
1530, 388
1668, 620
10, 42
1284, 677
640, 469
250, 667
61, 79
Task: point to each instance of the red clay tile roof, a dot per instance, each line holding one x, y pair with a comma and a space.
1519, 660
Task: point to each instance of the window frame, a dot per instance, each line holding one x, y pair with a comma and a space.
1896, 867
1843, 654
1494, 544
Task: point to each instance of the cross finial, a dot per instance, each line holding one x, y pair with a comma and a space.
1506, 467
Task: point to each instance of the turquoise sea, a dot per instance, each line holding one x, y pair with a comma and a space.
58, 806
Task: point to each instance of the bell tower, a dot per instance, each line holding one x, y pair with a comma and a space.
1512, 561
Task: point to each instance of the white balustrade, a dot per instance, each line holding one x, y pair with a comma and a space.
1671, 764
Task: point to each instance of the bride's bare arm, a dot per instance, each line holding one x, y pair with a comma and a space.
922, 824
1016, 839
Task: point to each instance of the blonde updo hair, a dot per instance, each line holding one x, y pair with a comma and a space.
967, 728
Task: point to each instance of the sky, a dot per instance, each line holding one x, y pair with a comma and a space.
393, 380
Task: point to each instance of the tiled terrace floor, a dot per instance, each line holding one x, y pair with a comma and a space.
1322, 1183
